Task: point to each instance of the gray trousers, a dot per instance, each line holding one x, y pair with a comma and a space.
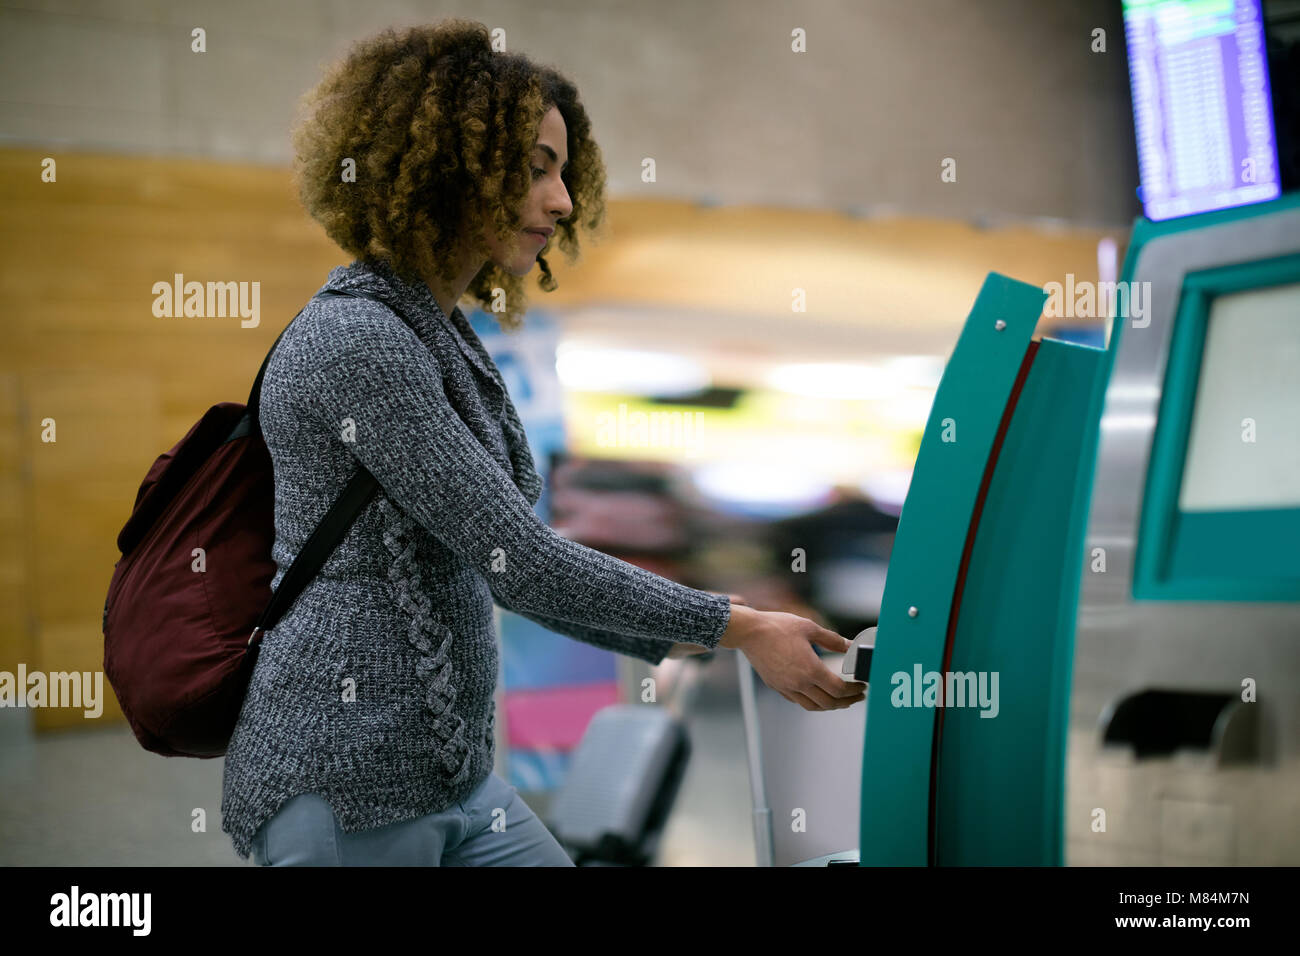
305, 832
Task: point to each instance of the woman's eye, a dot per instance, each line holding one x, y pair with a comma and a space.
538, 172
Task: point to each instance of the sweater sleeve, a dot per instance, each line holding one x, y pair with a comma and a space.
382, 377
652, 651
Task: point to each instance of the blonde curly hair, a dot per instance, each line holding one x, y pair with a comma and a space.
441, 129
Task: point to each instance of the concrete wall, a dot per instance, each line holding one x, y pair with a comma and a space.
1039, 125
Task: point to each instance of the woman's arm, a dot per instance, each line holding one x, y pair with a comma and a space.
647, 650
653, 651
372, 369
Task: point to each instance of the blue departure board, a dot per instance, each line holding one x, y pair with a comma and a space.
1202, 105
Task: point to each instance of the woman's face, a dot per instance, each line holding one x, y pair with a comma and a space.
548, 200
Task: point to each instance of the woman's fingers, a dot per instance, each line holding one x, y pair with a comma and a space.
828, 639
827, 701
826, 679
795, 697
837, 686
815, 698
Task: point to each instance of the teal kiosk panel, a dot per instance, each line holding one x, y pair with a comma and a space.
1001, 770
971, 618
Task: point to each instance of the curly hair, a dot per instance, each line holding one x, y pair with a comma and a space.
441, 128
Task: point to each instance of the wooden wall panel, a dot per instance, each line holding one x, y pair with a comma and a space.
15, 632
80, 343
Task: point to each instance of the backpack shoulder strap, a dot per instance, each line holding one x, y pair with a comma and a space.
361, 487
331, 530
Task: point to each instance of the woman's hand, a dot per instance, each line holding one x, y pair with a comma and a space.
779, 648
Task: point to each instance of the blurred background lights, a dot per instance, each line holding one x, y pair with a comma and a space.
634, 371
779, 487
919, 371
847, 380
888, 379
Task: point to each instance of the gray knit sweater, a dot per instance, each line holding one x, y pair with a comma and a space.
376, 689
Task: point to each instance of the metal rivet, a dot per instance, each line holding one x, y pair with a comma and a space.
999, 325
912, 611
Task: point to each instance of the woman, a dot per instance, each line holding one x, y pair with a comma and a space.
366, 736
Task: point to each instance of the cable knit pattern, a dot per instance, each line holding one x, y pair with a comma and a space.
431, 639
376, 689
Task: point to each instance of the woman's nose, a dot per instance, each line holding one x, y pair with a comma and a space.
562, 206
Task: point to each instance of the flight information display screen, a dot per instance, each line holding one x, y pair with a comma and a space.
1201, 104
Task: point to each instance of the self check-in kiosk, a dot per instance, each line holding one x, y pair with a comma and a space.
1089, 645
1088, 649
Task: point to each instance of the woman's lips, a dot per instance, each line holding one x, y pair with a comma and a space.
542, 237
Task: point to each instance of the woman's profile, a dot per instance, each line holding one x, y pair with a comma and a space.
366, 737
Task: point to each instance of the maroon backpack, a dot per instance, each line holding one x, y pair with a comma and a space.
191, 597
